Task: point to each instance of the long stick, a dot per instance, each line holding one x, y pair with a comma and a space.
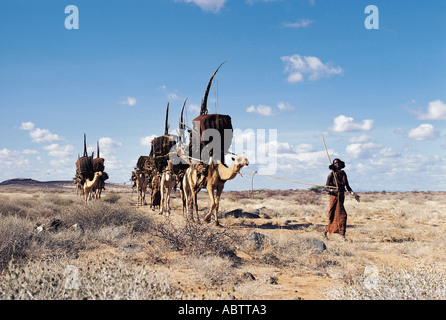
329, 160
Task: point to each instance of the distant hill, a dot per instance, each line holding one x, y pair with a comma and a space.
32, 182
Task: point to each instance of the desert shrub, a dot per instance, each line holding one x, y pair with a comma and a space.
194, 238
16, 207
103, 222
213, 270
15, 233
59, 200
112, 198
308, 197
104, 279
420, 283
100, 214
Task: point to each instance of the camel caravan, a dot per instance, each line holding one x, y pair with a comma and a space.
90, 175
193, 166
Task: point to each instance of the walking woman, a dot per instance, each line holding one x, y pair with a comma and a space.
337, 216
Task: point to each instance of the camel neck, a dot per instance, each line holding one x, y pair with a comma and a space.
226, 173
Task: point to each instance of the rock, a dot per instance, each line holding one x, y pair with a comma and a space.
239, 213
266, 213
55, 225
316, 244
272, 280
38, 228
255, 241
248, 276
78, 227
271, 259
133, 248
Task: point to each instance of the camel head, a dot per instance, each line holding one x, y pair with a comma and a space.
239, 162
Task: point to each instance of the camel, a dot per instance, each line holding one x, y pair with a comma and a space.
193, 181
141, 186
98, 189
166, 185
79, 187
89, 185
215, 180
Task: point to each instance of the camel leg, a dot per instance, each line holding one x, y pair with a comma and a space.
182, 199
217, 204
167, 199
195, 204
162, 199
207, 218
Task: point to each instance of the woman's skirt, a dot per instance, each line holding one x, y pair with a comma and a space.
337, 216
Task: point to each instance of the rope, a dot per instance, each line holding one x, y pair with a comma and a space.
268, 175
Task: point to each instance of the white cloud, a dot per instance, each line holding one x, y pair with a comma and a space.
424, 131
208, 5
129, 101
30, 151
108, 148
362, 150
436, 110
260, 109
252, 1
346, 124
194, 108
303, 148
43, 135
39, 135
361, 139
302, 23
147, 141
57, 151
173, 96
27, 126
297, 67
12, 160
284, 106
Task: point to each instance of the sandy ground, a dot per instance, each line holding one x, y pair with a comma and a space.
385, 230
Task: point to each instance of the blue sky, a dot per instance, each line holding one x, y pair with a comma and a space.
307, 69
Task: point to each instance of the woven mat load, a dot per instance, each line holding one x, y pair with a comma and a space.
85, 166
220, 122
142, 162
161, 146
98, 164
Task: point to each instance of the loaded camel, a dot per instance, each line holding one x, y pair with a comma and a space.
215, 181
193, 181
141, 186
89, 185
166, 185
78, 184
213, 178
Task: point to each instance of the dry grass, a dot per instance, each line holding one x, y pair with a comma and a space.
275, 253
